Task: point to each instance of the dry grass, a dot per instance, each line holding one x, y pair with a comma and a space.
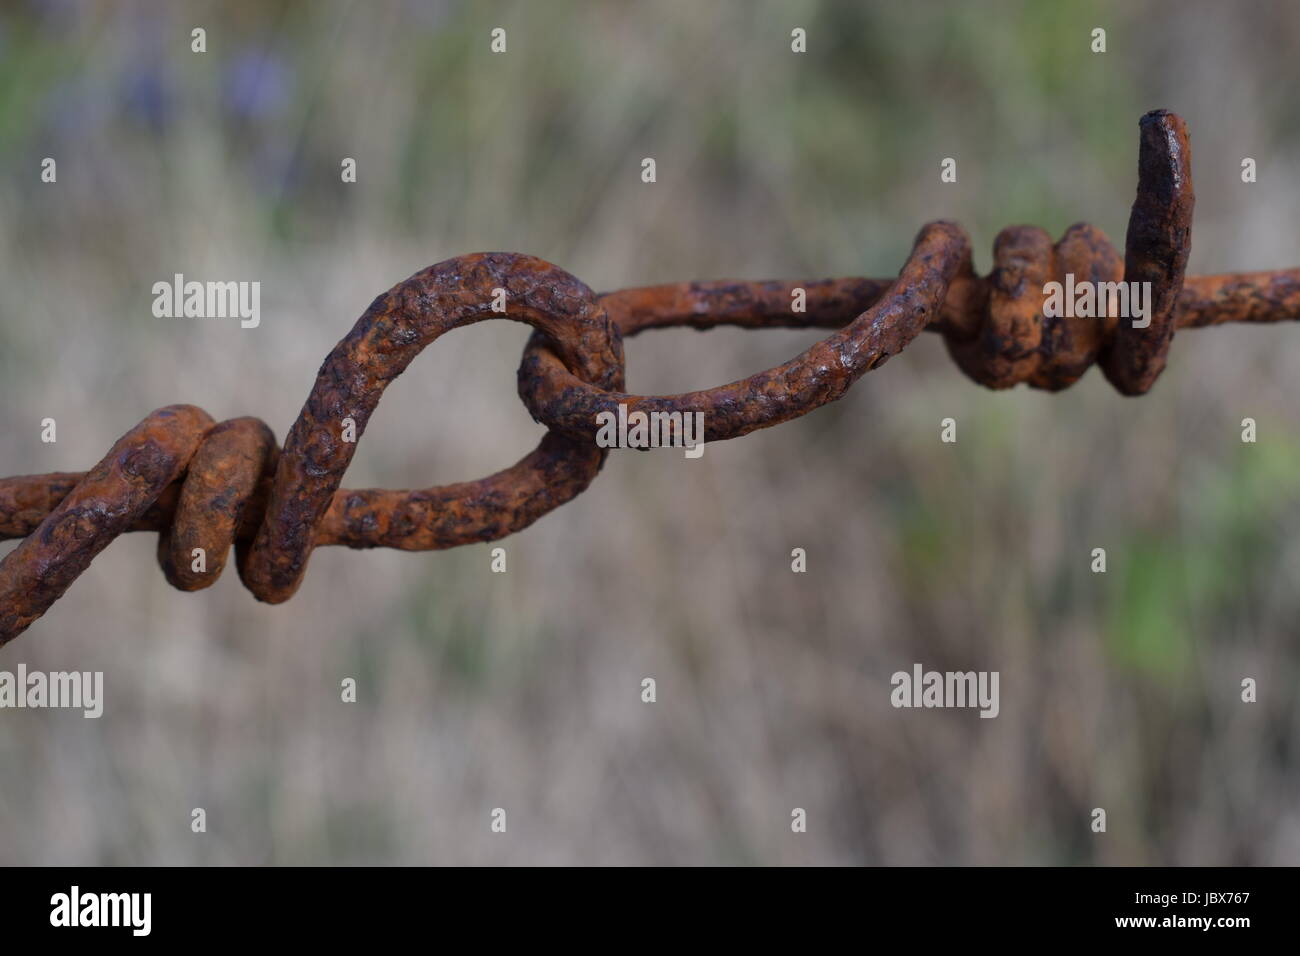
522, 690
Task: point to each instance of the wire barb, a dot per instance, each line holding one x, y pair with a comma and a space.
205, 486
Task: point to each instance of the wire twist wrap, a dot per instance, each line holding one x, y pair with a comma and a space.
205, 486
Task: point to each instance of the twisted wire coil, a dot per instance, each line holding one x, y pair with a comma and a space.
206, 485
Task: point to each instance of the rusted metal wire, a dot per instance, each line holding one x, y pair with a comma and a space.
206, 485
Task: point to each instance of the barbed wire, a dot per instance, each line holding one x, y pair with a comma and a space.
204, 485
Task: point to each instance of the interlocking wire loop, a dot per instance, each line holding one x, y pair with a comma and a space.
301, 505
207, 485
819, 375
996, 331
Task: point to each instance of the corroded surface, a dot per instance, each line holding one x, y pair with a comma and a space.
204, 486
105, 502
995, 327
821, 374
354, 375
237, 486
1159, 241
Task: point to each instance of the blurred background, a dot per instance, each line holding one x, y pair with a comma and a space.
522, 690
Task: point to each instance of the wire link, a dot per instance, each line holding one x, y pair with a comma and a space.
204, 485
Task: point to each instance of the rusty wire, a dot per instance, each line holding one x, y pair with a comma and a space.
206, 485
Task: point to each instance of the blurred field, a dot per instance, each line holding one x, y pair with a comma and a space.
521, 691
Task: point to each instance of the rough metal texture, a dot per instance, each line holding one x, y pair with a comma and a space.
206, 485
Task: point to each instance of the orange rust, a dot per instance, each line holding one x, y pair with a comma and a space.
207, 486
